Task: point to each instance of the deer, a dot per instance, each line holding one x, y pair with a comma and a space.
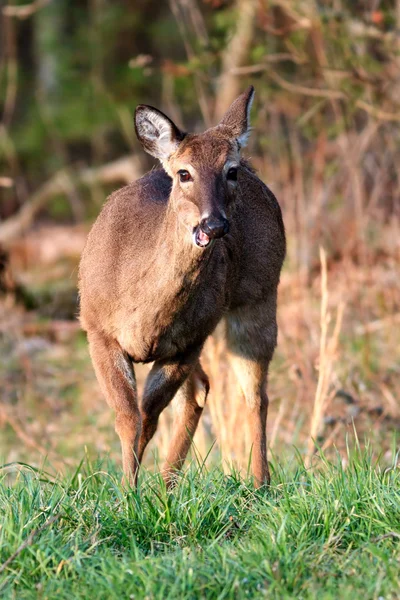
194, 242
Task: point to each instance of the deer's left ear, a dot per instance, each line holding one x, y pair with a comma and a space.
237, 117
158, 135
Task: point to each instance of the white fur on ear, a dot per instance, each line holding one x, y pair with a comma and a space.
159, 136
153, 127
244, 137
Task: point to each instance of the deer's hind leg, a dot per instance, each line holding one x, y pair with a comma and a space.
115, 374
251, 336
189, 403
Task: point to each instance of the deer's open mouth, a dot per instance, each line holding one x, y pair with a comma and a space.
200, 238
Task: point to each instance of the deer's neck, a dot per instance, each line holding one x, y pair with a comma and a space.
181, 238
178, 263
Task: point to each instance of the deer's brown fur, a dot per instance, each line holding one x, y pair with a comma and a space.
150, 294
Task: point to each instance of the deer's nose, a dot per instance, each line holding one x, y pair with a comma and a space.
214, 227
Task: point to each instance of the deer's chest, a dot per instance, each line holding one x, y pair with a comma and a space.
174, 320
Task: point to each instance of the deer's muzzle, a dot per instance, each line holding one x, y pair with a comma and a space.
214, 227
210, 228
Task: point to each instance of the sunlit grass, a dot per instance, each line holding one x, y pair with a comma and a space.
326, 532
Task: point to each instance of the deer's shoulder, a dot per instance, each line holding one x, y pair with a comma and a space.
153, 188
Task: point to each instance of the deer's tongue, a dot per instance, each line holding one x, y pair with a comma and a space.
201, 238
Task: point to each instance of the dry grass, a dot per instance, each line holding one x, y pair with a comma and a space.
327, 351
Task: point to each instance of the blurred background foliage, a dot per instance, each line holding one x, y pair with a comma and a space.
326, 139
72, 73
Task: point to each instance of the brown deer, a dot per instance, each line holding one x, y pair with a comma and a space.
170, 255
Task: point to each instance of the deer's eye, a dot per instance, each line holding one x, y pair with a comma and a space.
232, 174
184, 176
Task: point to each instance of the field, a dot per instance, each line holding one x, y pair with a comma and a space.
336, 369
330, 529
327, 532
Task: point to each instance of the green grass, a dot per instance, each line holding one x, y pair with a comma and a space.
328, 532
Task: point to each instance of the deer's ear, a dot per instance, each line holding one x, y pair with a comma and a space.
158, 135
237, 117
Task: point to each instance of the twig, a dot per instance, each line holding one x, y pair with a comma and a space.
277, 422
28, 541
305, 91
327, 351
385, 536
302, 21
355, 28
6, 417
360, 29
6, 182
378, 324
26, 10
270, 58
377, 113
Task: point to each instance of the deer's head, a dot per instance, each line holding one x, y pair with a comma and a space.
204, 167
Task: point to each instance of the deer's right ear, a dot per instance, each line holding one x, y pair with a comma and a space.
237, 117
158, 135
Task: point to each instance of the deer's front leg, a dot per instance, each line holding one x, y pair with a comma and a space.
162, 383
116, 377
251, 339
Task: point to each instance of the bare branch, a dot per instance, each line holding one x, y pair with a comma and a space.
124, 169
377, 113
6, 182
305, 91
270, 58
26, 10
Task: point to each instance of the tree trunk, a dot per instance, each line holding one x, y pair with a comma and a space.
235, 55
